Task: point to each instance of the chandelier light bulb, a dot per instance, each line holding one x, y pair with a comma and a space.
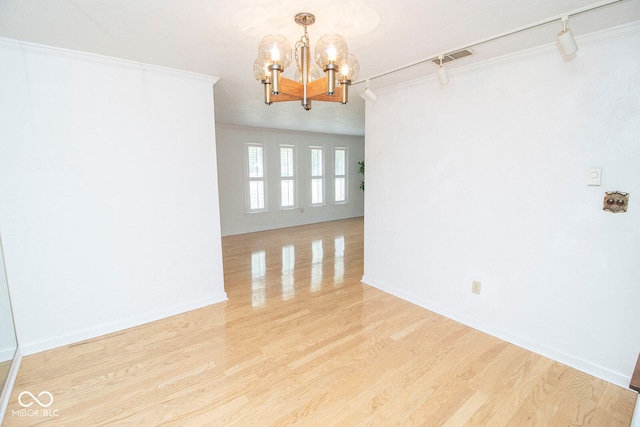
260, 70
332, 55
350, 69
275, 49
348, 72
275, 54
331, 49
314, 74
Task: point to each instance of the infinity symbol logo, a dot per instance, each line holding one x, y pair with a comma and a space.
42, 393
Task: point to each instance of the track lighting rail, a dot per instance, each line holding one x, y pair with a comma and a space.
561, 17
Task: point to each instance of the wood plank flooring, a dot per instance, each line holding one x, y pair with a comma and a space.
302, 341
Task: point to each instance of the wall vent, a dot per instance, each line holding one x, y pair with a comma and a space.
452, 56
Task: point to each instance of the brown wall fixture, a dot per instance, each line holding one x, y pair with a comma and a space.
615, 201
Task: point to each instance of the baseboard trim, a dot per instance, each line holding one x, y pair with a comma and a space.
8, 385
536, 347
59, 341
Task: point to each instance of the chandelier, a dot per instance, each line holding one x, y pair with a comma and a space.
331, 55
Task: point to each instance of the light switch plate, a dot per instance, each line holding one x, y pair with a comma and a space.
594, 176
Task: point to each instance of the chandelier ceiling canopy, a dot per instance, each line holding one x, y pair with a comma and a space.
331, 55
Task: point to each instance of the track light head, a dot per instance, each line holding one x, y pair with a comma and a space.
368, 94
566, 43
443, 75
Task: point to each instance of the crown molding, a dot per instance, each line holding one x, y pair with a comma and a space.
40, 49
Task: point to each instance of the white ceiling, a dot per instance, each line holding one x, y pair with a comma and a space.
220, 38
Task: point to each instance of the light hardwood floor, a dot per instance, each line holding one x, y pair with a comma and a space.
302, 341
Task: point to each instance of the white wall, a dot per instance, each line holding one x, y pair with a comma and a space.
485, 179
108, 193
7, 333
230, 143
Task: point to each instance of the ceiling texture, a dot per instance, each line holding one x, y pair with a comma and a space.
220, 38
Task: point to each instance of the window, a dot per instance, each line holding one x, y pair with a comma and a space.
340, 175
287, 177
317, 182
255, 178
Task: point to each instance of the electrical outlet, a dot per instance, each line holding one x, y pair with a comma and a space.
475, 287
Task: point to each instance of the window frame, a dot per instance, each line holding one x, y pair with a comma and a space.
249, 179
292, 178
320, 177
344, 176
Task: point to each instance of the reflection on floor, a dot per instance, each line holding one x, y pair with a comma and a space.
322, 256
287, 259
